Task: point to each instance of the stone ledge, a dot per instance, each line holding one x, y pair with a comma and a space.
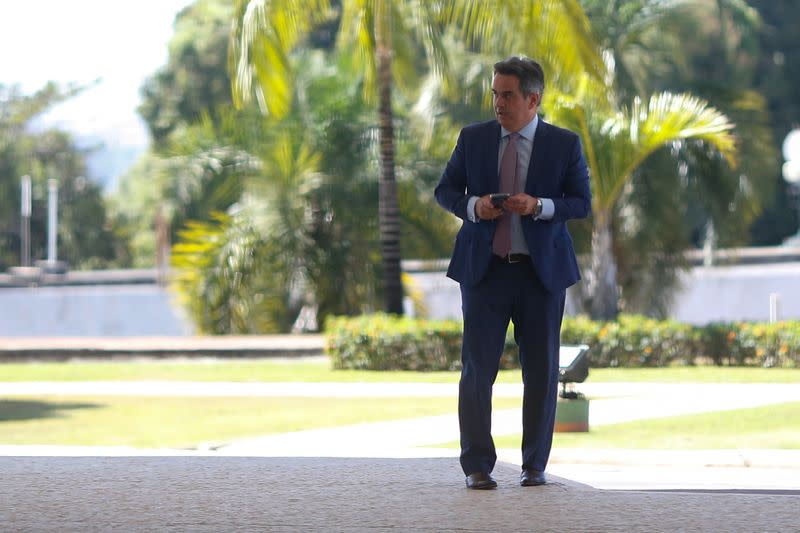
65, 348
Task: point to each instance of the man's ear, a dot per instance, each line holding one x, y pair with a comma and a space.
534, 99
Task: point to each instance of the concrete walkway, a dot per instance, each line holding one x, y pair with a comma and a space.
415, 438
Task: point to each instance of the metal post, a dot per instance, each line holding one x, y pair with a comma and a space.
52, 221
710, 242
25, 209
774, 307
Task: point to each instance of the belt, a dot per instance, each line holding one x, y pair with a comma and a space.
512, 258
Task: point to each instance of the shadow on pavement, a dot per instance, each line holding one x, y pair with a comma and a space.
12, 410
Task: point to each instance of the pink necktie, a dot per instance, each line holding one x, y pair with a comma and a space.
501, 244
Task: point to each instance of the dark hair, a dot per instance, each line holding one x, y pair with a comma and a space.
528, 71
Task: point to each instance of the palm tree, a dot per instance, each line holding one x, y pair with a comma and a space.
640, 38
617, 143
297, 234
701, 47
645, 40
244, 271
381, 38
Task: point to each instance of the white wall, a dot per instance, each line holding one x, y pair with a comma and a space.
707, 294
740, 292
82, 311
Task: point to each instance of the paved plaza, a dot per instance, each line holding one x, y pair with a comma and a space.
217, 494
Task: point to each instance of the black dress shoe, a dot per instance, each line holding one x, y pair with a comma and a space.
480, 481
531, 478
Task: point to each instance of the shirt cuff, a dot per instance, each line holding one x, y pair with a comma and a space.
548, 209
471, 209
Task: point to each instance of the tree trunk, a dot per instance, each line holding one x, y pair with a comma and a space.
603, 291
388, 209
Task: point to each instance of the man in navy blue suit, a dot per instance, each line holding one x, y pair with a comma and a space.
514, 260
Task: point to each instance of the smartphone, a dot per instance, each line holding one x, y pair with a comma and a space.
498, 198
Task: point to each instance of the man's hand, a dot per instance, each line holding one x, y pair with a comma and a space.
485, 210
521, 204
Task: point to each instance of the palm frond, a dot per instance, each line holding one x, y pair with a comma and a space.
617, 142
263, 33
356, 38
555, 32
671, 117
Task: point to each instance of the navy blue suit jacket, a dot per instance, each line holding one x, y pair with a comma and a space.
557, 170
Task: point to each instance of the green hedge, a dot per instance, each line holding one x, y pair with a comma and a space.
384, 342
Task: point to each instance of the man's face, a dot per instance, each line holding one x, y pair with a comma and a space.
513, 110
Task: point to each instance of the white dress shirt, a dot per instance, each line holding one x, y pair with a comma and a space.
524, 151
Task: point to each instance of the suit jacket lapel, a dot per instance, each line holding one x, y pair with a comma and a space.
540, 144
493, 145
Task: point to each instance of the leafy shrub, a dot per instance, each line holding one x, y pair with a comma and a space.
385, 342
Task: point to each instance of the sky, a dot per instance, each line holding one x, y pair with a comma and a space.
119, 42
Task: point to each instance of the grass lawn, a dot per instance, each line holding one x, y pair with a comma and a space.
318, 370
187, 422
774, 426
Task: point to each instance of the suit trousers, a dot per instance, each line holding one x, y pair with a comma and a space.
509, 292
